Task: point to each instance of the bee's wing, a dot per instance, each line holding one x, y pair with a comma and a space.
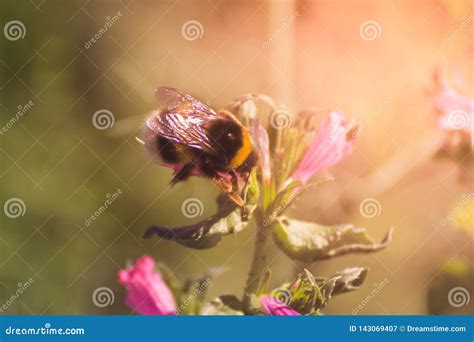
171, 99
182, 119
185, 127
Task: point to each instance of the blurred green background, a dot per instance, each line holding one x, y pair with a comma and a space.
63, 168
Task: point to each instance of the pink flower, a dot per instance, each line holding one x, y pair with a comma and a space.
261, 139
332, 144
147, 293
274, 307
457, 110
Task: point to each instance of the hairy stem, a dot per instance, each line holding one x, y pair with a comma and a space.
257, 270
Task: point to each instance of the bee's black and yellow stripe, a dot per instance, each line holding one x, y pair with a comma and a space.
243, 151
220, 143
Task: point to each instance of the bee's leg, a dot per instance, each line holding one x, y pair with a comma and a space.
234, 180
244, 212
226, 186
235, 197
235, 187
182, 174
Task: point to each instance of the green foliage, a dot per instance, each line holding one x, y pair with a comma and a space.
307, 241
308, 294
206, 234
227, 305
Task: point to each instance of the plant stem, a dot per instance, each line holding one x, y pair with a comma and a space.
258, 262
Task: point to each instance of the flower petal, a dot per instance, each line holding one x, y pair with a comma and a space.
260, 137
147, 293
457, 110
274, 307
330, 146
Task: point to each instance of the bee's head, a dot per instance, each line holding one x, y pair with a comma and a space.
249, 163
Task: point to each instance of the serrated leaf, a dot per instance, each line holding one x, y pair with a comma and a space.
308, 294
349, 279
227, 305
208, 233
307, 241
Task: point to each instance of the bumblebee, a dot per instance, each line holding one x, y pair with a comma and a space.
193, 139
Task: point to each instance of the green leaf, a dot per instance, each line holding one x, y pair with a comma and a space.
286, 197
207, 233
307, 241
227, 305
308, 294
349, 279
305, 294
